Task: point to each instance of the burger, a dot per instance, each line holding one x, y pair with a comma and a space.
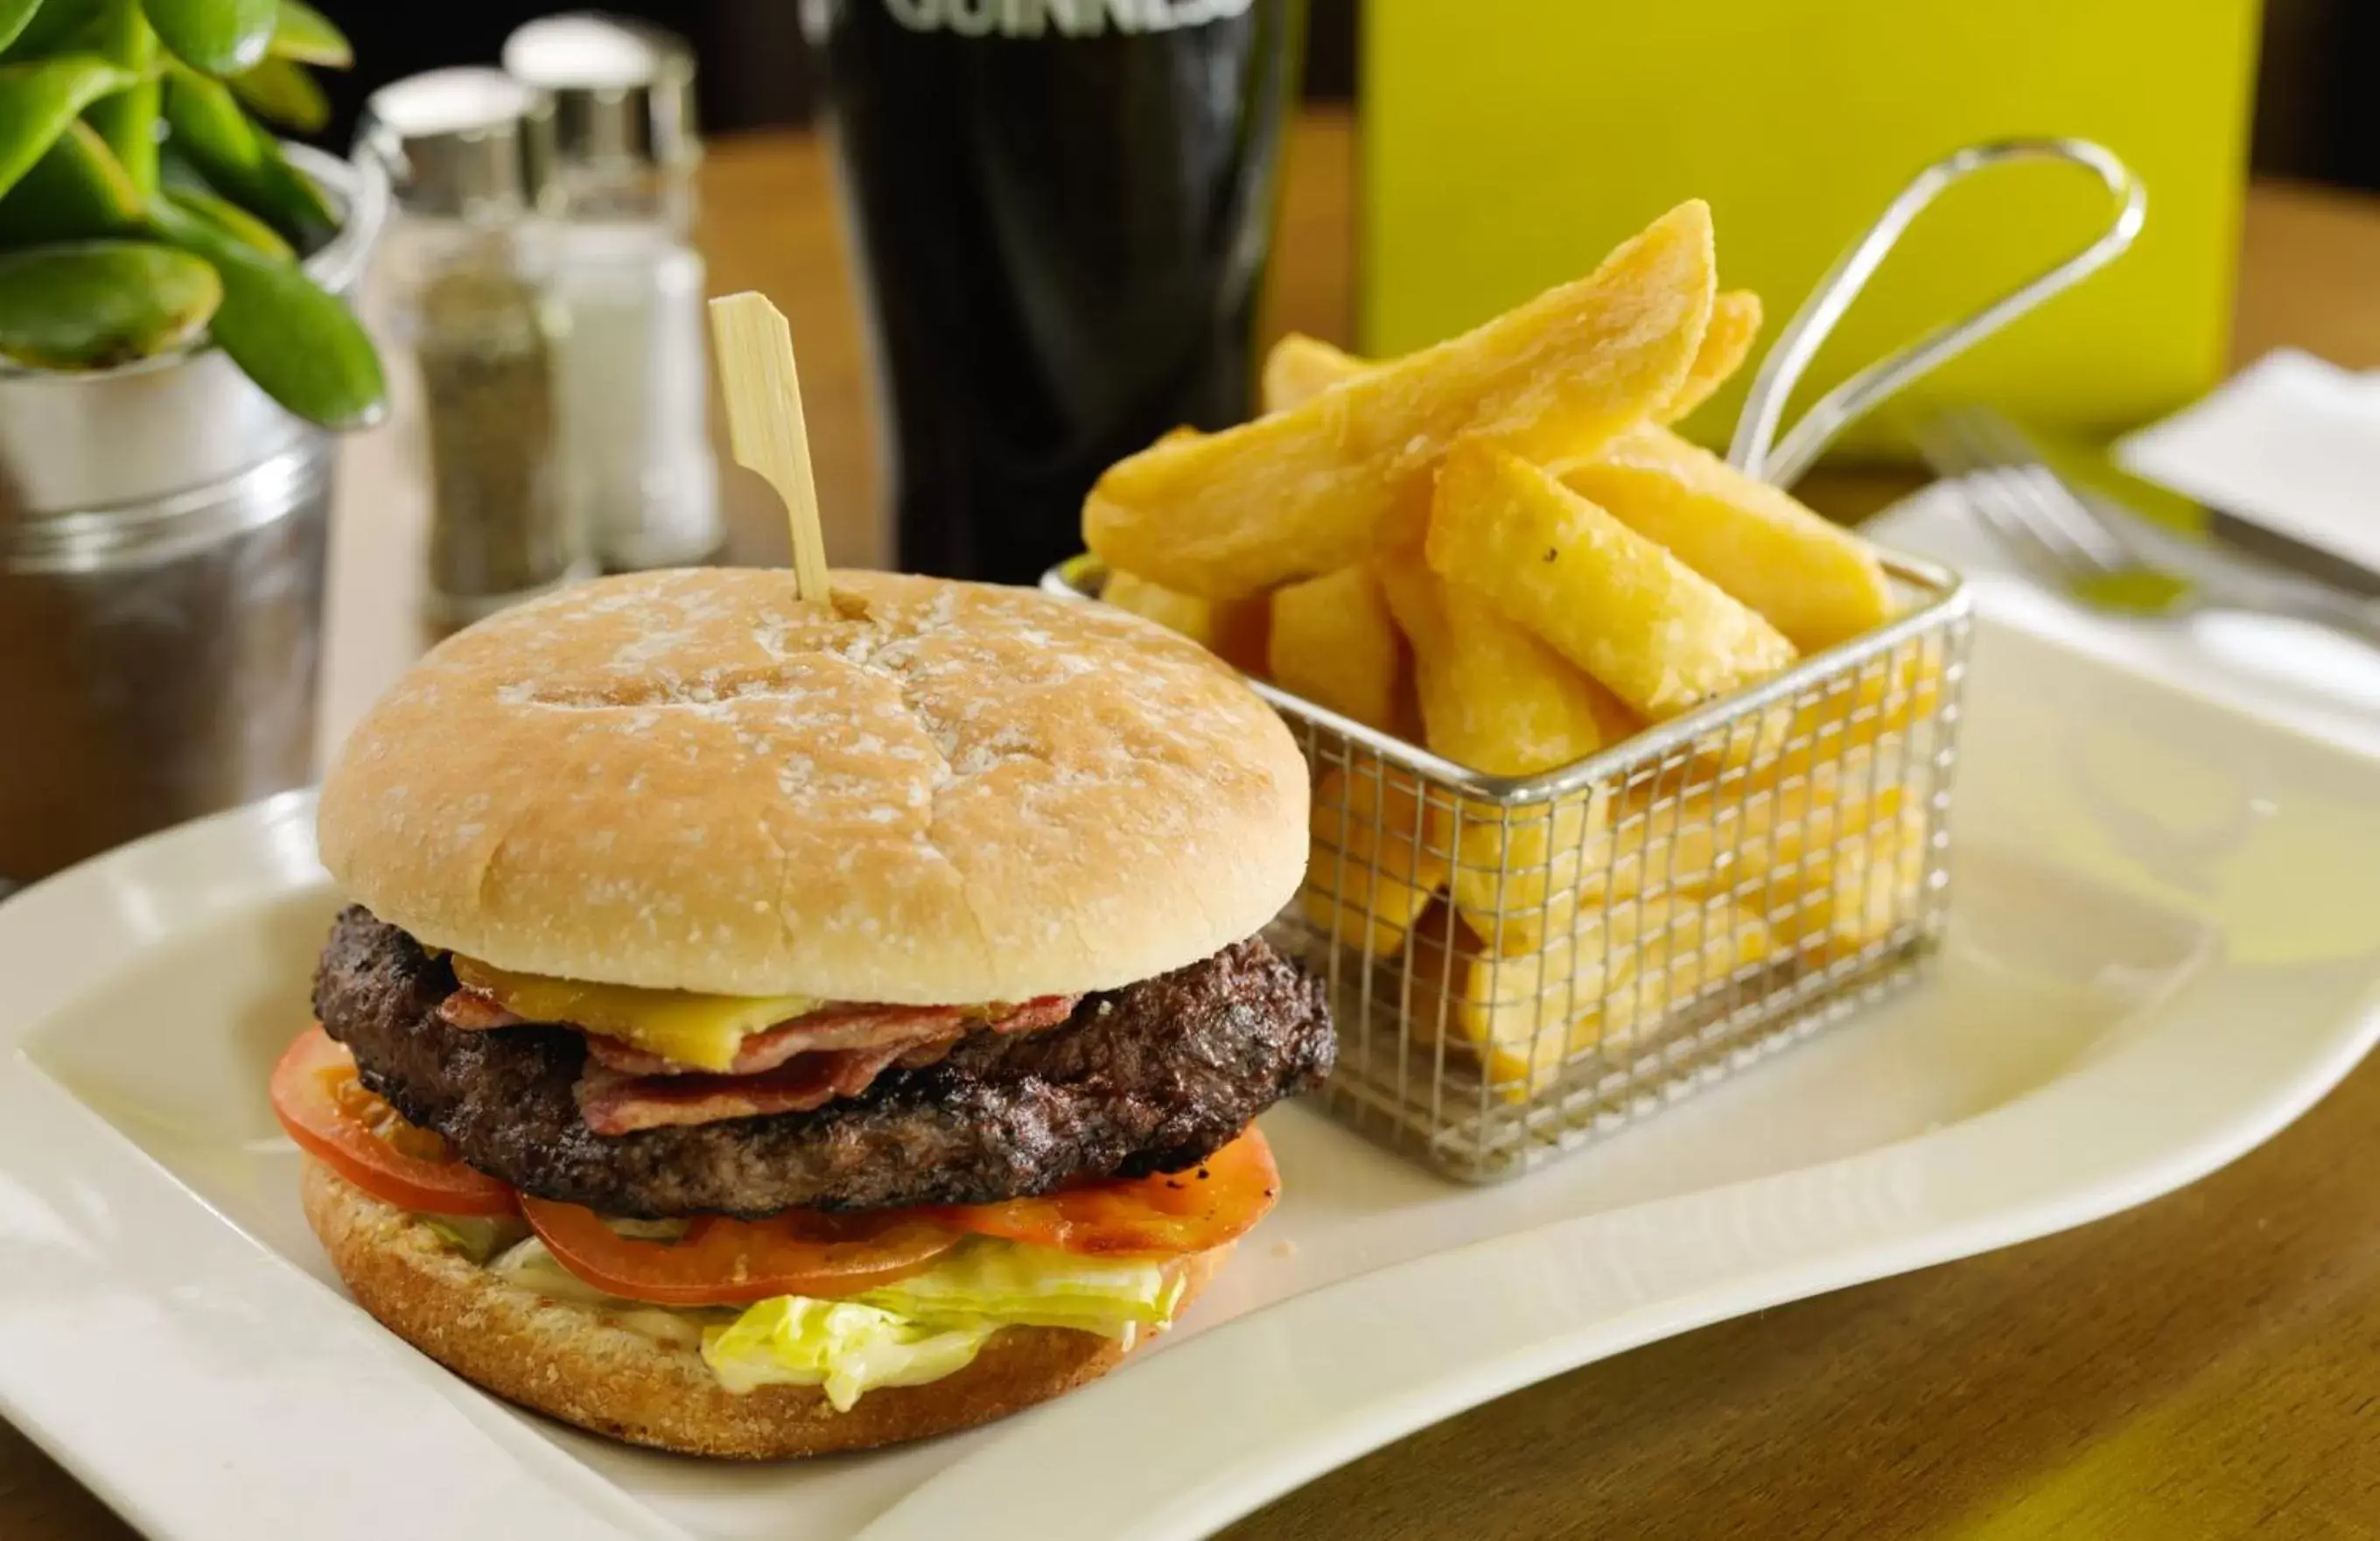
763, 1029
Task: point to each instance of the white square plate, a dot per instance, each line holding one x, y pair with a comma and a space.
2165, 945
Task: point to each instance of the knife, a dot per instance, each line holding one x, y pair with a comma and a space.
2219, 530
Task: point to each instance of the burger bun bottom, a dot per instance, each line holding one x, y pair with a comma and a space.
571, 1362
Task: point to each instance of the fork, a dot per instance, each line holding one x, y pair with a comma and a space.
2072, 542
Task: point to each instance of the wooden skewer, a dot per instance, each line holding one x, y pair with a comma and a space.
755, 350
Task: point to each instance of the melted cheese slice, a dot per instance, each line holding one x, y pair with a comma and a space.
704, 1031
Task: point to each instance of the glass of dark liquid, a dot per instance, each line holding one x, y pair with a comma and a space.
1063, 210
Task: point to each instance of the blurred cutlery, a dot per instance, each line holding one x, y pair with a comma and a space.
2088, 547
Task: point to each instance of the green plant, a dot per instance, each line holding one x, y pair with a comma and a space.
142, 208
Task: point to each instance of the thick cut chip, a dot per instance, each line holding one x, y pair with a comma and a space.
1764, 846
1378, 857
1298, 493
1611, 971
1880, 707
1813, 580
1334, 643
1869, 887
1233, 630
1661, 636
1493, 696
1300, 367
1727, 342
1521, 1014
1519, 872
1497, 699
1684, 962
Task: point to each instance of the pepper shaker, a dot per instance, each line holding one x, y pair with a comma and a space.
469, 153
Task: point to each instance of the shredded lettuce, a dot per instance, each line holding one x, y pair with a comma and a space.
839, 1345
914, 1330
531, 1267
478, 1237
983, 1280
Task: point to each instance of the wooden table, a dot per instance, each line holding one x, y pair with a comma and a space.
2205, 1365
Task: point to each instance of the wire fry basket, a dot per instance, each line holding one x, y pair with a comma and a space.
1520, 964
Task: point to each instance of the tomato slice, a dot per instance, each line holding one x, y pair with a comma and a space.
727, 1262
1169, 1215
320, 1100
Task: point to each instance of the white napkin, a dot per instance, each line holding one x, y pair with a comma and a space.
2306, 676
2291, 442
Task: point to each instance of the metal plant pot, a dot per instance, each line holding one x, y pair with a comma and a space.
162, 537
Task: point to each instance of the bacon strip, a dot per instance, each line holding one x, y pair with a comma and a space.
472, 1012
614, 1104
1042, 1011
793, 1067
839, 1027
846, 1026
615, 1100
831, 1027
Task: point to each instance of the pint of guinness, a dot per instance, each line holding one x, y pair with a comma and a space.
1063, 210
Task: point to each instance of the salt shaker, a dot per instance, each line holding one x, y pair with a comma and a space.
634, 386
469, 153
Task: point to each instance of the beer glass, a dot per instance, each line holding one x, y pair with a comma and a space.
1061, 210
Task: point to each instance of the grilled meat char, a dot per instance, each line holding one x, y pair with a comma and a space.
1151, 1077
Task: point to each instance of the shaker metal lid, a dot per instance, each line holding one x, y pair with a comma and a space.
469, 140
622, 90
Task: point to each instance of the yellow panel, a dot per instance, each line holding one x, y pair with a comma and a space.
1506, 148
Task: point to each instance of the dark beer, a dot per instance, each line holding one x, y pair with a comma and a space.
1063, 209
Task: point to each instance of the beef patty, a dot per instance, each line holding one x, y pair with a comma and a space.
1151, 1077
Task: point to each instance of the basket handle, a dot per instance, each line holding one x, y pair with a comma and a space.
1757, 452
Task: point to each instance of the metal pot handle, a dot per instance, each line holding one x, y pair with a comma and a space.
1756, 450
